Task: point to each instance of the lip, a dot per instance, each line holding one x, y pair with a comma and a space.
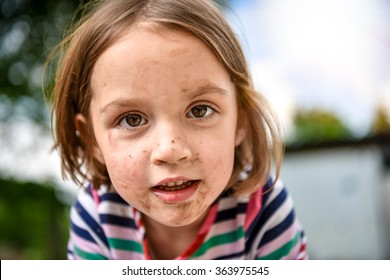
178, 195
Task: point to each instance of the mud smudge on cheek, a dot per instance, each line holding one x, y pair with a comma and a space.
196, 158
203, 190
184, 205
185, 209
146, 203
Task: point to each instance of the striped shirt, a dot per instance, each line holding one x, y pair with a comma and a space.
262, 226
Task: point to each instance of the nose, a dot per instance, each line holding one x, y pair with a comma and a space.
171, 146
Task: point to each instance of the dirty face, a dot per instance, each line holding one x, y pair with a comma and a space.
164, 114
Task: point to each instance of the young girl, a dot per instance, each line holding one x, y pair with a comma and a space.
153, 105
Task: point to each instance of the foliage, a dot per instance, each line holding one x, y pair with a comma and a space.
34, 224
314, 126
28, 30
381, 123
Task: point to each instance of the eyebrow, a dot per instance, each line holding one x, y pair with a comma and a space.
205, 89
202, 90
120, 103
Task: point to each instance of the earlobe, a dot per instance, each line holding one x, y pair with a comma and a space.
85, 133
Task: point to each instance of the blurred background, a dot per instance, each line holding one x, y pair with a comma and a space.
324, 65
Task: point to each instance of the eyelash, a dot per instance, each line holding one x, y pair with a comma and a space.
145, 121
204, 118
122, 121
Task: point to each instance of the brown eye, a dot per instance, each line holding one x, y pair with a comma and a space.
133, 120
200, 111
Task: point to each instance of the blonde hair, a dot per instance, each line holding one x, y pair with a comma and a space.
103, 24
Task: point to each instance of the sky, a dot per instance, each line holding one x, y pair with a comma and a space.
327, 54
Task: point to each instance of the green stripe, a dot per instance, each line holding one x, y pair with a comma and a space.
221, 239
126, 245
87, 255
282, 251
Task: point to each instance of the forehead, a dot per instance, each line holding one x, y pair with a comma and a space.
149, 53
153, 42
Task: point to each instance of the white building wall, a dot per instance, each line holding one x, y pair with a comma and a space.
341, 197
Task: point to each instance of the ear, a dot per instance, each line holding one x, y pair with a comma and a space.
240, 134
85, 132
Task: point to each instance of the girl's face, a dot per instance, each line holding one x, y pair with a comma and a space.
164, 114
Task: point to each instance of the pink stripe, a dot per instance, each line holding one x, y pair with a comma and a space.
95, 196
112, 231
84, 245
253, 208
295, 253
223, 227
222, 250
282, 239
126, 255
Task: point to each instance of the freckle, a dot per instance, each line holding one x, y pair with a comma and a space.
130, 156
144, 151
173, 141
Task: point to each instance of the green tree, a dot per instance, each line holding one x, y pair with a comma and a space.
381, 123
314, 126
28, 30
34, 223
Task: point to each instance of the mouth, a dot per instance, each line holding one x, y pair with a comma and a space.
175, 191
175, 186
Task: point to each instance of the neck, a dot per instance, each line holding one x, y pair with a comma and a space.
167, 242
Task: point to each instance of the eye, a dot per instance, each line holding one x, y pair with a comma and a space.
133, 120
200, 111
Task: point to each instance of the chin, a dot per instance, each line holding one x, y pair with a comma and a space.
181, 219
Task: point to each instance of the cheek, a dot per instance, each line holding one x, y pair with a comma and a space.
126, 170
123, 164
219, 163
218, 152
128, 177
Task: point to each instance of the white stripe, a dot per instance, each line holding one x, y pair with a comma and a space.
277, 217
89, 205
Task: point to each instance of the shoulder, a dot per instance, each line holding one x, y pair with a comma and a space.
275, 232
99, 203
94, 218
272, 199
91, 197
260, 205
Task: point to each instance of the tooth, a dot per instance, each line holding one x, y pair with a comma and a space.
180, 182
171, 184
